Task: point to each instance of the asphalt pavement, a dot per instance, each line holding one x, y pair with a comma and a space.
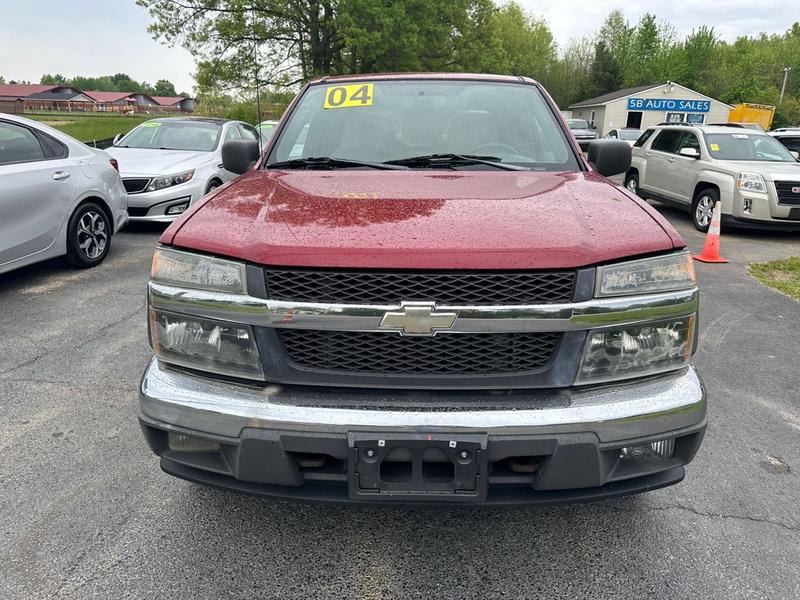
86, 512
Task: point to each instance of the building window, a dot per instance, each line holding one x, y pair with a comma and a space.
591, 118
696, 118
676, 117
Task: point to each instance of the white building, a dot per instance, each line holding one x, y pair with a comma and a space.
647, 105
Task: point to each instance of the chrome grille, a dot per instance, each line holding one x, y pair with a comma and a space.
443, 354
135, 185
786, 195
389, 287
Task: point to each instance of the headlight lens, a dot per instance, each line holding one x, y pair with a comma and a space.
637, 350
159, 183
751, 182
212, 346
647, 276
198, 271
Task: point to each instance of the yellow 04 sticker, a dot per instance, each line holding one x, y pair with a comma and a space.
345, 96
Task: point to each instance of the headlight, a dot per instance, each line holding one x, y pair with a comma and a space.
647, 276
637, 350
213, 346
159, 183
174, 267
751, 182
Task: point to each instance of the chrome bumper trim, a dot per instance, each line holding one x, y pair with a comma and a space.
619, 412
578, 316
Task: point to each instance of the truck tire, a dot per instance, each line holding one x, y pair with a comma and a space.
88, 236
702, 207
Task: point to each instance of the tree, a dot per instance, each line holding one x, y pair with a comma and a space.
164, 87
2, 80
284, 42
618, 36
522, 44
604, 74
56, 79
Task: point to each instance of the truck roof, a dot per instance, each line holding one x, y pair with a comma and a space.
424, 75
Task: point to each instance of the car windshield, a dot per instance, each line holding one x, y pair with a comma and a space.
630, 134
746, 146
173, 135
397, 120
578, 124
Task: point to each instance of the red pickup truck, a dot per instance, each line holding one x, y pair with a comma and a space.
423, 292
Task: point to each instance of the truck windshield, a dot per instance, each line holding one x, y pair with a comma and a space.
173, 135
398, 120
746, 146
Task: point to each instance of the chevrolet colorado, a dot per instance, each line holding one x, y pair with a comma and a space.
423, 292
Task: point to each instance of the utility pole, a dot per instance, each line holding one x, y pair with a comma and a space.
255, 62
783, 87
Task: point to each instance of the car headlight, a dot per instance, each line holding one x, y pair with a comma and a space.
187, 269
751, 182
637, 350
214, 346
159, 183
647, 276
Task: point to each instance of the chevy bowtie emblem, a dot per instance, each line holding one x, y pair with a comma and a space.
418, 318
796, 189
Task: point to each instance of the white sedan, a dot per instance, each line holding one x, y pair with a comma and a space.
57, 197
168, 164
626, 135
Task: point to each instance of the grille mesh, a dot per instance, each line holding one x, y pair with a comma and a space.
388, 353
785, 193
134, 186
370, 287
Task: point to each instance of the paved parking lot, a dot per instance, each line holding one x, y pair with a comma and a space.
85, 511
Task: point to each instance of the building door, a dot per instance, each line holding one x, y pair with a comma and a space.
634, 120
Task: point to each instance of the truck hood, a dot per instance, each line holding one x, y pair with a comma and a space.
423, 220
142, 161
770, 170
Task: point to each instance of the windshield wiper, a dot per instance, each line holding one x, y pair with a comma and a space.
327, 162
449, 160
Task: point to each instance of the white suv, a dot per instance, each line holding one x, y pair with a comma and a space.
755, 177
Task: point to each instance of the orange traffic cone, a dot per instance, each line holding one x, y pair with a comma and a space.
710, 253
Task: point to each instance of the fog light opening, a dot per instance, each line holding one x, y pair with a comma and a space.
177, 209
748, 206
183, 443
654, 451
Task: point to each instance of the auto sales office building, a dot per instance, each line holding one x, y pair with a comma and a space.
647, 105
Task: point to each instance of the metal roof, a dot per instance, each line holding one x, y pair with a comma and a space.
22, 90
168, 100
605, 98
98, 96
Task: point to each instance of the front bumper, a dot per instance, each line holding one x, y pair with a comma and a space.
151, 207
570, 438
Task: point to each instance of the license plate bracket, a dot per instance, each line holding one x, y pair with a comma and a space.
426, 467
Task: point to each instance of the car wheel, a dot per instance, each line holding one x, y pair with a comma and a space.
212, 186
632, 183
88, 236
703, 208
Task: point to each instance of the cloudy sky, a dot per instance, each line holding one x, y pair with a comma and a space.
97, 37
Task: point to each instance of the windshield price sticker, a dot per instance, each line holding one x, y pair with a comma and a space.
346, 96
714, 147
151, 124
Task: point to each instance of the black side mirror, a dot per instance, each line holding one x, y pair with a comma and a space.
239, 155
610, 157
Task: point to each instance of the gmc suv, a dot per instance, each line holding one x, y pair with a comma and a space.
423, 292
755, 177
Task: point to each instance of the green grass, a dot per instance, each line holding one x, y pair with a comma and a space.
782, 275
91, 126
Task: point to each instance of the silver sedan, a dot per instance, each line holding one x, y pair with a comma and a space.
169, 164
57, 197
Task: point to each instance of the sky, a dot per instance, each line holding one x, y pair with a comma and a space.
103, 37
